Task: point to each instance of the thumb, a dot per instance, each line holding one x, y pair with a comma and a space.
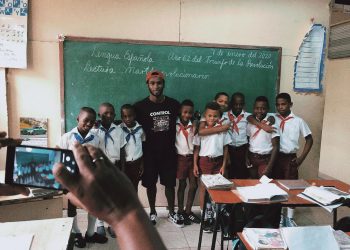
66, 178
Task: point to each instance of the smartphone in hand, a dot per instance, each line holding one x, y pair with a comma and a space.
32, 166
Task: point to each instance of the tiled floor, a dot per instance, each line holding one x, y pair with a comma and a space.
186, 238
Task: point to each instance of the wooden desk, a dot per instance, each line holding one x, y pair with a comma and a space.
20, 207
50, 234
221, 197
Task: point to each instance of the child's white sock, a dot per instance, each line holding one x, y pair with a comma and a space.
91, 225
208, 212
99, 223
75, 228
290, 213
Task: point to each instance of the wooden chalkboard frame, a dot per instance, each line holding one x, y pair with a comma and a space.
63, 38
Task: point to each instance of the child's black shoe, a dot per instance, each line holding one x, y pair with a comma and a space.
96, 238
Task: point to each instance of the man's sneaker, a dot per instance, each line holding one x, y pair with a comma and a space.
207, 226
194, 218
175, 219
153, 218
95, 238
101, 230
183, 216
79, 240
111, 232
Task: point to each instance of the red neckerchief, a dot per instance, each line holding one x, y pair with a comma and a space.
184, 131
235, 122
220, 122
257, 132
283, 121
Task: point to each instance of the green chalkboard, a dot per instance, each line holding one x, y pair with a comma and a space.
106, 70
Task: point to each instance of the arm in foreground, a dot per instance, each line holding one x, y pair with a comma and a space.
106, 193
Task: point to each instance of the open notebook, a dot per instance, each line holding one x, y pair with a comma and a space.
263, 192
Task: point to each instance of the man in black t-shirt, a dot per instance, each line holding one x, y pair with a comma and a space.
157, 114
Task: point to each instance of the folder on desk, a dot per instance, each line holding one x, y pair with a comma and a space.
310, 238
262, 193
294, 184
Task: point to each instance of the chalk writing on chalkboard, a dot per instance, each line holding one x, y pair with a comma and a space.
123, 62
96, 71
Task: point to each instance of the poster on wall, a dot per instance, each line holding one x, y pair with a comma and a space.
13, 33
33, 131
309, 64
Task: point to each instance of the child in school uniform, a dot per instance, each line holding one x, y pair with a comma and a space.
84, 135
237, 149
134, 136
222, 99
261, 158
210, 154
291, 127
184, 149
111, 142
263, 146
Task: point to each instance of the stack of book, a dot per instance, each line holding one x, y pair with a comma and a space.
216, 181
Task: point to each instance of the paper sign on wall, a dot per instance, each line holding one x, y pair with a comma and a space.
13, 33
308, 69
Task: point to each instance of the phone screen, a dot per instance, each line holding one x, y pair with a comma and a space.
32, 166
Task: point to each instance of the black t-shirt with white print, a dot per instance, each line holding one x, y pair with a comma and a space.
158, 120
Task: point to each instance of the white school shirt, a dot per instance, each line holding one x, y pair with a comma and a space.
67, 140
110, 147
261, 143
133, 149
240, 138
212, 145
183, 146
289, 137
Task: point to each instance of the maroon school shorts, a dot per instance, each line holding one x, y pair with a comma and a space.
259, 163
209, 165
184, 166
284, 169
238, 168
132, 170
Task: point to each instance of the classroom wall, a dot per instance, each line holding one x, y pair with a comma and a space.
335, 155
3, 113
35, 91
335, 136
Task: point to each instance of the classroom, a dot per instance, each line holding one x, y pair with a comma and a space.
37, 90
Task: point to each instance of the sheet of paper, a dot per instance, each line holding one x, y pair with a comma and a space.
264, 179
16, 242
13, 33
